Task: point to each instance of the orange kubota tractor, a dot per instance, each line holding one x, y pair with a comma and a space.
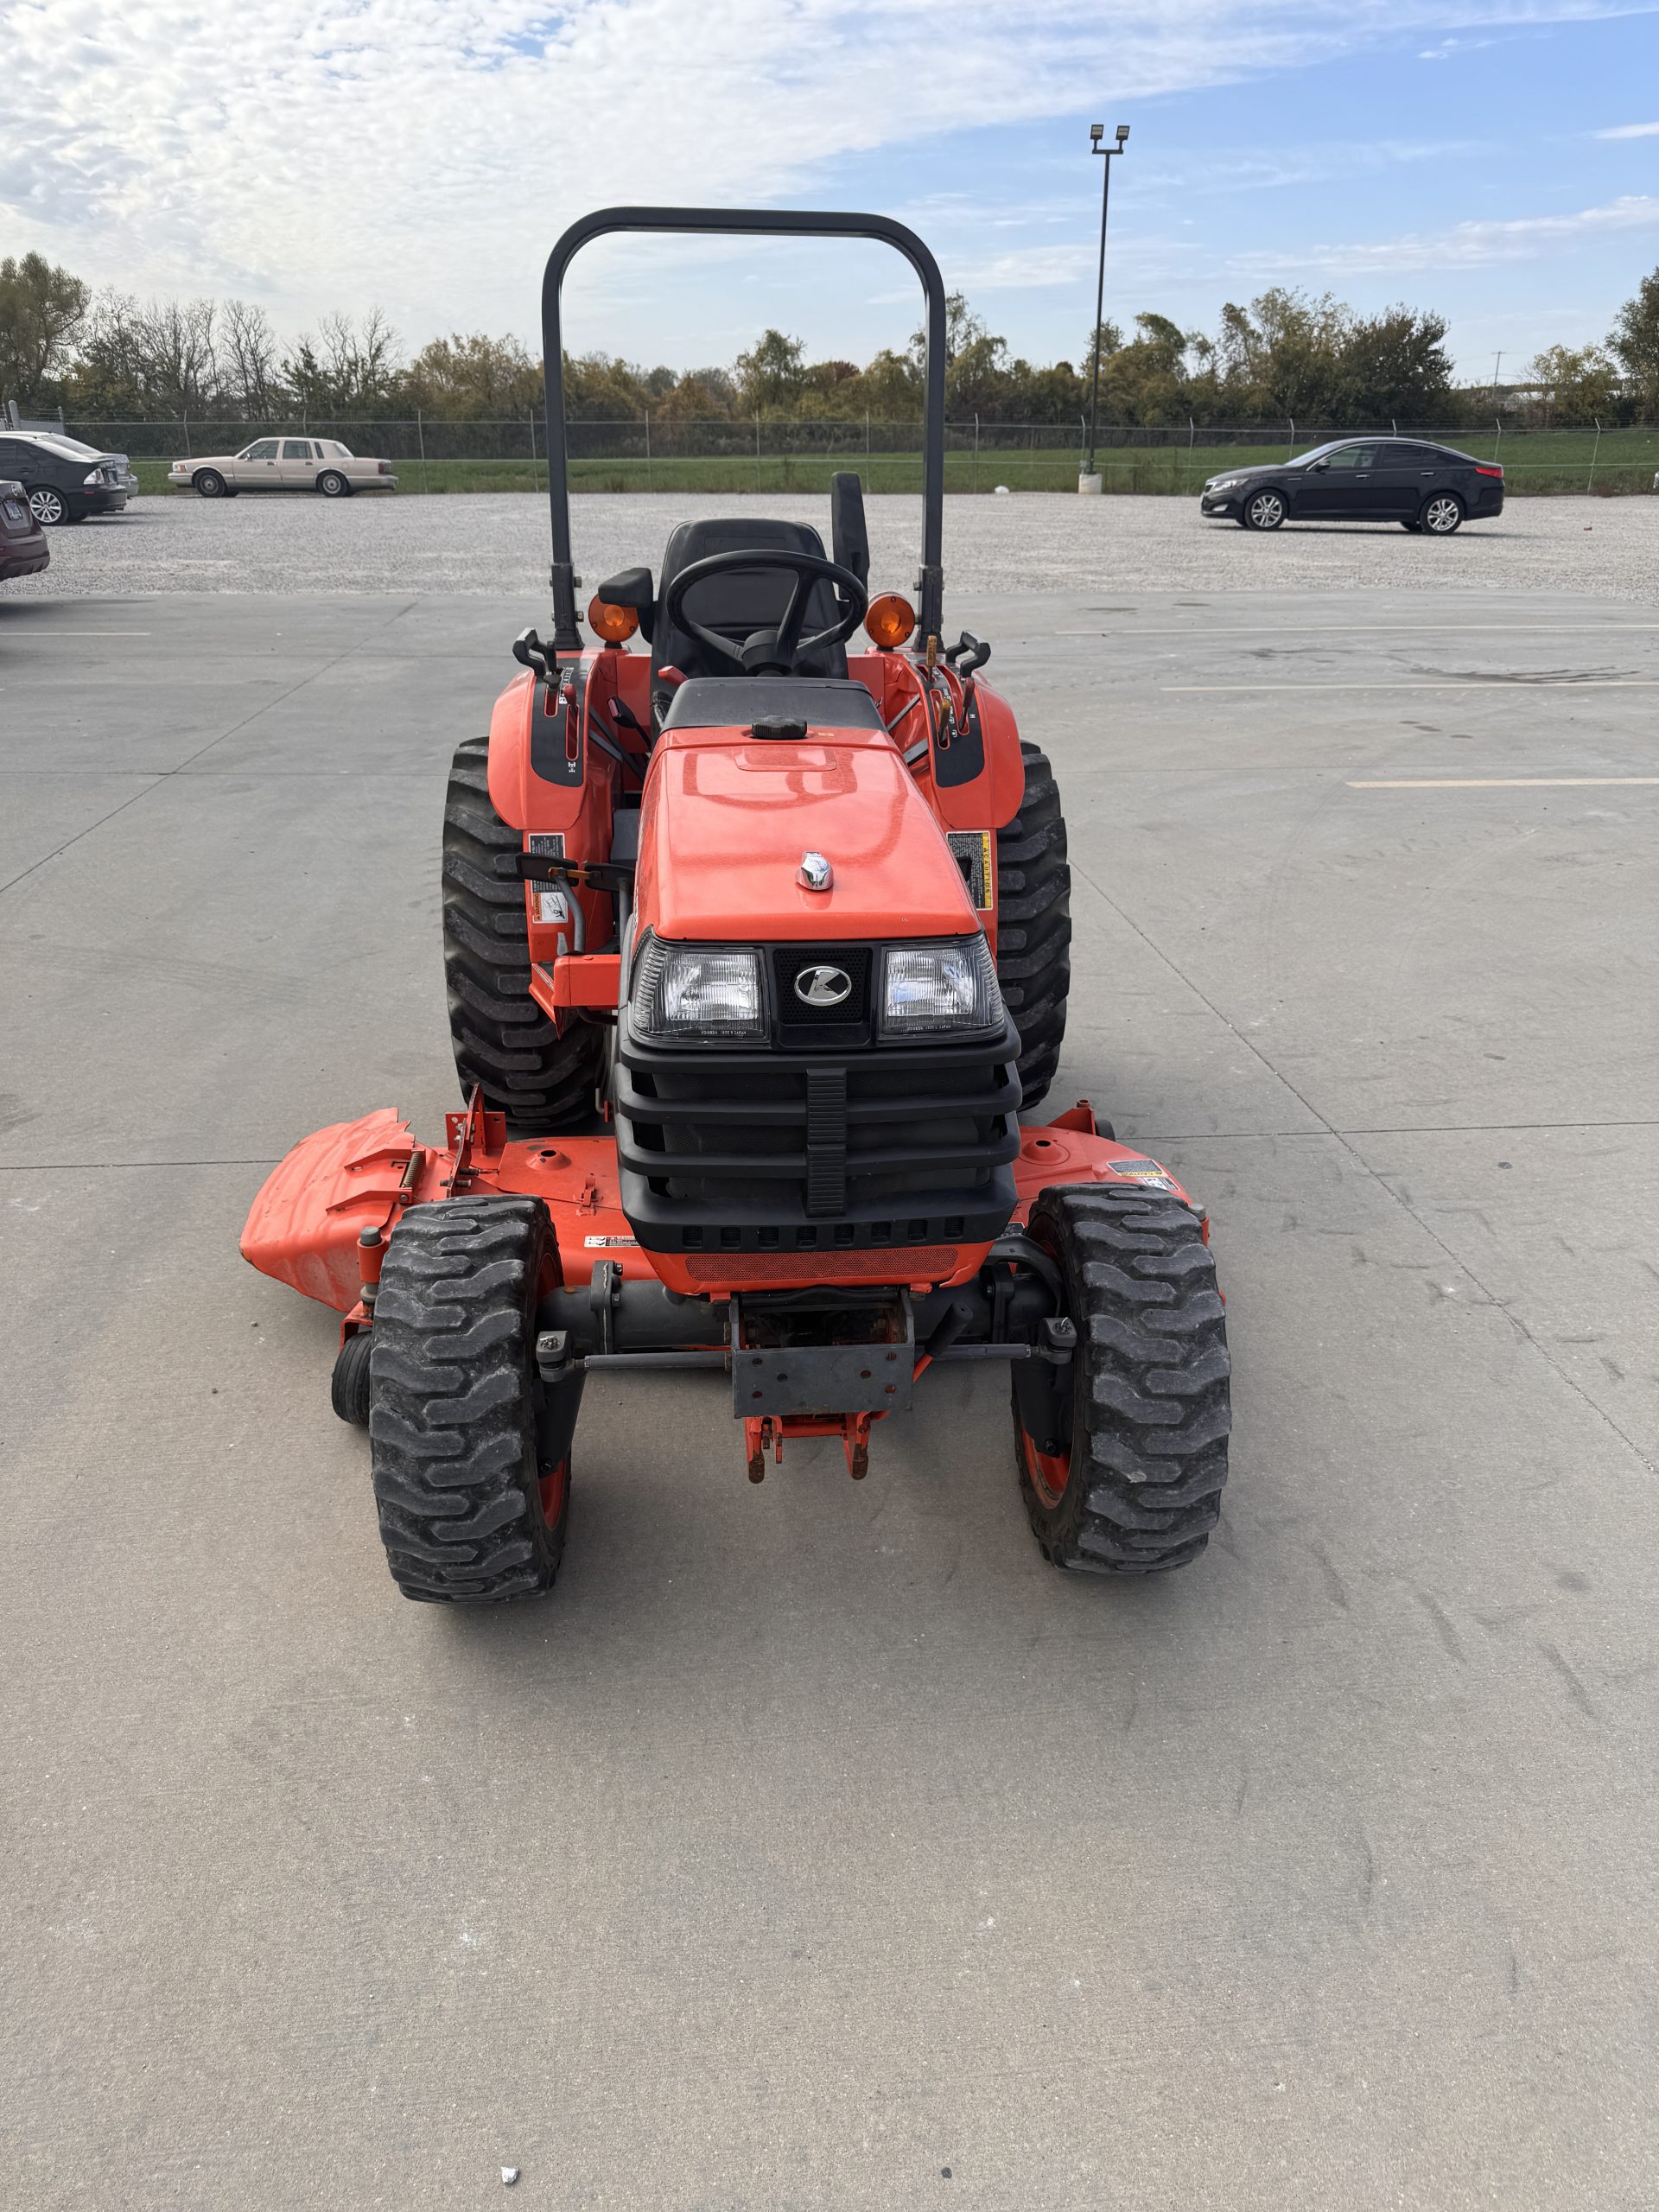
755, 947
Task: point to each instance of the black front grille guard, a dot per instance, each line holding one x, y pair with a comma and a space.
748, 222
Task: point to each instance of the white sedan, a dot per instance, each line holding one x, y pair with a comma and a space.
284, 464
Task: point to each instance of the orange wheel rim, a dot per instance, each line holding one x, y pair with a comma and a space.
553, 1487
1049, 1470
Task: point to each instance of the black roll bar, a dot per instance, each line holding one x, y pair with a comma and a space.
761, 222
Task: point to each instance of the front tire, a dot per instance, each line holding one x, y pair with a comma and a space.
504, 1044
209, 484
1033, 925
1135, 1487
1263, 511
333, 484
469, 1512
1442, 514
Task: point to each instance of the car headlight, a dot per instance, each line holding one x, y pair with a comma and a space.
697, 990
927, 987
1224, 484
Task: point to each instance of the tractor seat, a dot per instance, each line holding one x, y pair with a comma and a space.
738, 604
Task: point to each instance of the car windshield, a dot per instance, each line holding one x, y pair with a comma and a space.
1314, 453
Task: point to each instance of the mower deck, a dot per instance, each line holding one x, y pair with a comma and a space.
307, 1225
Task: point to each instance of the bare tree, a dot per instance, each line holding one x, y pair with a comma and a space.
345, 367
247, 358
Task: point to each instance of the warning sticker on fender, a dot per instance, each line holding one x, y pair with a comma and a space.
1143, 1171
605, 1243
972, 851
550, 905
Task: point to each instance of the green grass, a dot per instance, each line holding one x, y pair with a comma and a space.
1553, 460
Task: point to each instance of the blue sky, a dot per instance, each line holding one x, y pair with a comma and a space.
421, 154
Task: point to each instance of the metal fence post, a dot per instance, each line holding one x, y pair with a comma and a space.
1497, 426
187, 438
419, 433
535, 464
1291, 455
647, 449
1594, 450
975, 453
757, 453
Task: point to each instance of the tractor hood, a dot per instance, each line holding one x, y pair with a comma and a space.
727, 818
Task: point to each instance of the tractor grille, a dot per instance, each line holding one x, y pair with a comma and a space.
816, 1150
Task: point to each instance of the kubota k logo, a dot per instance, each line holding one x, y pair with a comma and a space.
823, 986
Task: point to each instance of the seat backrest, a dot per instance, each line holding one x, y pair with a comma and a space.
742, 601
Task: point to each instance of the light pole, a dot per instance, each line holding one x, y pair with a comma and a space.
1088, 481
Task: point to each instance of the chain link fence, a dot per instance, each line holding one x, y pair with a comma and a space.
668, 453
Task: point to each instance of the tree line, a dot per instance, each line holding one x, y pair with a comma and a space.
1287, 356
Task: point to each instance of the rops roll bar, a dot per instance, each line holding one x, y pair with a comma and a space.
761, 222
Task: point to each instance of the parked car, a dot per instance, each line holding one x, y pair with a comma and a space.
64, 481
24, 549
285, 465
1431, 489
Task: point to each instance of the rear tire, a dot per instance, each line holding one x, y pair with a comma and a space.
333, 484
49, 507
1136, 1489
468, 1514
504, 1044
1033, 925
1442, 514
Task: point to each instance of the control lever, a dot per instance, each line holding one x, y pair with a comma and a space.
977, 650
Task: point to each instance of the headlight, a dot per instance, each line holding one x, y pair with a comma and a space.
927, 988
1223, 484
695, 990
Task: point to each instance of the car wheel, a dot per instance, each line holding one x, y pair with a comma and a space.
47, 506
1442, 514
210, 484
333, 484
1264, 510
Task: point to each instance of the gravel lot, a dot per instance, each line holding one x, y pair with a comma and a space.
497, 543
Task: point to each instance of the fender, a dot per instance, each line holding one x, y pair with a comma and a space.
988, 799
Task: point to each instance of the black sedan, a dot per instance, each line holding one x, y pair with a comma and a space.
1428, 489
24, 549
64, 481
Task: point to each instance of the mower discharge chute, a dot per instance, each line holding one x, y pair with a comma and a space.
755, 947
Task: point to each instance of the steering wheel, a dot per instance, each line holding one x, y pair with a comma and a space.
771, 651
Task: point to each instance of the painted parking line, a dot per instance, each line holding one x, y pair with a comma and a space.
1494, 783
1468, 684
1366, 629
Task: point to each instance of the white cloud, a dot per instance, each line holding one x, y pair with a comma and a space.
1466, 245
423, 154
1631, 130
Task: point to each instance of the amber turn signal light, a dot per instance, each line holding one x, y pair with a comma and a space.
889, 620
615, 625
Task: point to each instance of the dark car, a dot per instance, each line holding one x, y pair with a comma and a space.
1425, 488
63, 480
24, 549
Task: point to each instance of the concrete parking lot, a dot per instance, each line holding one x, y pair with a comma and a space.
816, 1845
